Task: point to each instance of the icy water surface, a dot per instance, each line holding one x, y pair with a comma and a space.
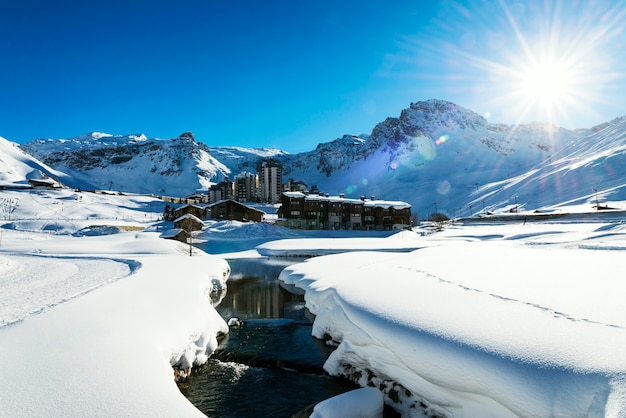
271, 366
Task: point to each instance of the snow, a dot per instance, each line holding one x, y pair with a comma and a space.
486, 318
358, 403
17, 168
308, 247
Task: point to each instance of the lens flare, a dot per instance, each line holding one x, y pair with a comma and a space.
426, 148
444, 187
442, 139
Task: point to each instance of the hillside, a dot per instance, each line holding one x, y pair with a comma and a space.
435, 155
18, 168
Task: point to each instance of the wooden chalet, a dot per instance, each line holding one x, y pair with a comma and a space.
234, 211
194, 210
188, 222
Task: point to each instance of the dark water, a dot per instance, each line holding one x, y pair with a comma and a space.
270, 366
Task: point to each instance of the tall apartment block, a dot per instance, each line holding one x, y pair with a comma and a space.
270, 181
246, 187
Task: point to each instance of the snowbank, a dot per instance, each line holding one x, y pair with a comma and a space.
309, 247
93, 324
480, 324
359, 403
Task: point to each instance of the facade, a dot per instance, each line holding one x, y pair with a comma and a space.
246, 187
270, 181
221, 191
234, 211
188, 223
313, 211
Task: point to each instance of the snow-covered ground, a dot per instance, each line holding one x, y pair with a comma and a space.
485, 319
92, 319
491, 320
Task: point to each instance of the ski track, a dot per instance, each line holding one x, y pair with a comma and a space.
32, 284
545, 309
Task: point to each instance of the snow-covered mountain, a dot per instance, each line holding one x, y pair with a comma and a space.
435, 155
134, 163
17, 168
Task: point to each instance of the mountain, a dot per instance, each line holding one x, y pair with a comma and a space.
436, 155
134, 163
590, 168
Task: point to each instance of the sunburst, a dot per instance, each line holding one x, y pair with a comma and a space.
519, 62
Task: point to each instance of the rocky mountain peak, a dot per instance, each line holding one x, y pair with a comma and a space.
187, 136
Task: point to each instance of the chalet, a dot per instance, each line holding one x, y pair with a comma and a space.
46, 182
315, 211
194, 210
234, 211
188, 222
175, 234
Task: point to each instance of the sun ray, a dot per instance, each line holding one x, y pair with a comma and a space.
553, 61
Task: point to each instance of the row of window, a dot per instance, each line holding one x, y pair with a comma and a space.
295, 213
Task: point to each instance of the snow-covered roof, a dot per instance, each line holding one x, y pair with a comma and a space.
234, 201
387, 204
189, 216
371, 203
190, 206
171, 233
294, 194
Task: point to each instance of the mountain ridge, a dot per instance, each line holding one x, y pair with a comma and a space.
434, 155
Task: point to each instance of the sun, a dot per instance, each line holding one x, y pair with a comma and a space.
548, 83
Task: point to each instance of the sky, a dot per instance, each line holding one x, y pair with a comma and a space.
291, 74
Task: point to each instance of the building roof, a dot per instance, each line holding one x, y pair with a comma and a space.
189, 216
189, 206
233, 201
386, 204
171, 233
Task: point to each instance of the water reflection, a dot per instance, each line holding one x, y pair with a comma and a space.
271, 366
254, 292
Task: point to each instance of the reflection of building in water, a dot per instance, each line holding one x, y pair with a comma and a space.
255, 293
254, 298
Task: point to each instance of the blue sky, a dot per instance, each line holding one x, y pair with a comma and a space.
291, 74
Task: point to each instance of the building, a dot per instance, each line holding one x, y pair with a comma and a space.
315, 211
189, 223
246, 187
270, 181
221, 191
234, 211
194, 210
295, 186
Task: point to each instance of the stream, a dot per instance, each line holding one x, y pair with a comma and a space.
271, 366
